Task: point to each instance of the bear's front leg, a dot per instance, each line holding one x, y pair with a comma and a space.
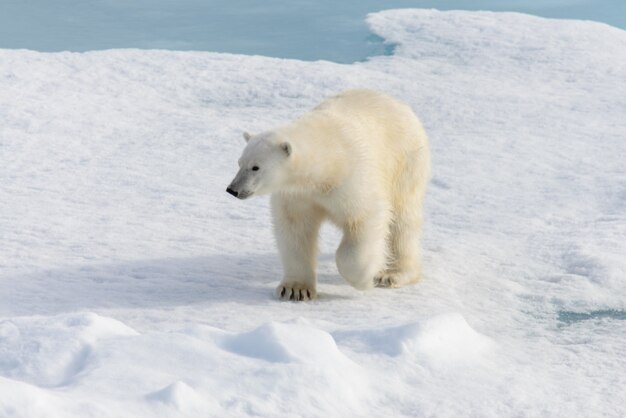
296, 226
362, 252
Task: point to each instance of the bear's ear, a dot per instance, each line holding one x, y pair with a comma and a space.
247, 136
286, 147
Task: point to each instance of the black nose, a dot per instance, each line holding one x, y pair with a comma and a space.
231, 191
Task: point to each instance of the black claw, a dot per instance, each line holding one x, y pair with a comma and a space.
293, 295
282, 293
308, 294
301, 295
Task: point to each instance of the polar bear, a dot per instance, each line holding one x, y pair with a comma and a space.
360, 160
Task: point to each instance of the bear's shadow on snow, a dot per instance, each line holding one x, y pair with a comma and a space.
158, 283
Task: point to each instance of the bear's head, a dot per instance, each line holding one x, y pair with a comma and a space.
262, 166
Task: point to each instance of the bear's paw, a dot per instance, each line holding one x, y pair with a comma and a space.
390, 279
296, 292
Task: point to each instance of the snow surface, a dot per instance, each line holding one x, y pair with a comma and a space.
132, 285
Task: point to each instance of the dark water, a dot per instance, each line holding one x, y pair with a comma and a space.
569, 317
308, 30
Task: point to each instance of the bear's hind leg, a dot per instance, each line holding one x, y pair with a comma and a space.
296, 226
404, 266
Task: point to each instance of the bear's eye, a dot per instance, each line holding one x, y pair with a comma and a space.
255, 168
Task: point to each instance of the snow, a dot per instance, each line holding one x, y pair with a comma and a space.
132, 285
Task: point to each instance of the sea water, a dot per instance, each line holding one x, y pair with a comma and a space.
303, 29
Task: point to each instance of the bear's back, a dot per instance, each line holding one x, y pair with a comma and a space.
351, 103
374, 123
381, 137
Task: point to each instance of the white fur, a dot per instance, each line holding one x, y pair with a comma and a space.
359, 159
